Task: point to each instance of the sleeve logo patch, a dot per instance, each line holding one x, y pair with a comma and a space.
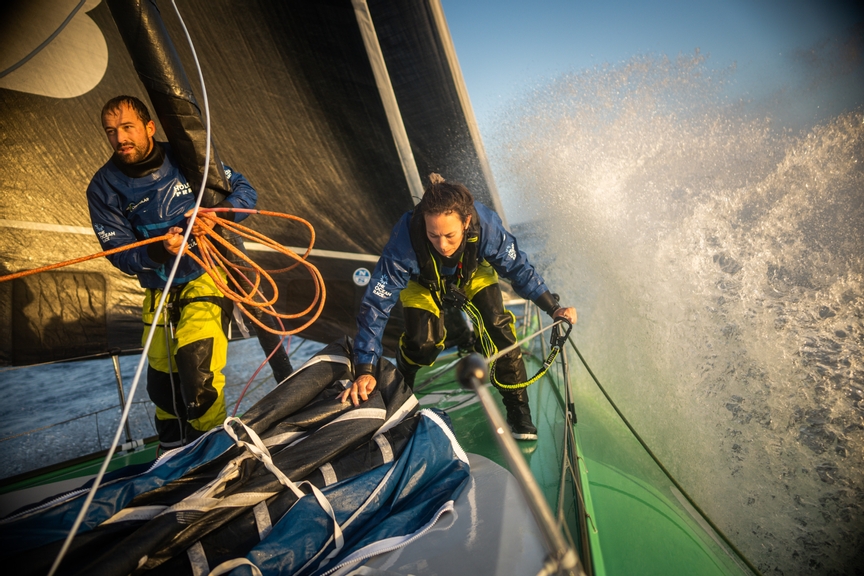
103, 234
511, 251
380, 291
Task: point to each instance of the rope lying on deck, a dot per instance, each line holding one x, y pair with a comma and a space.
212, 257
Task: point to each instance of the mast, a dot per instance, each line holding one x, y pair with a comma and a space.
388, 98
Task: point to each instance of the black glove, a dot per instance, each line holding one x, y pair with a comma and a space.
548, 302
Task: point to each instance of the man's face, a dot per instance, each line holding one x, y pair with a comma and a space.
130, 138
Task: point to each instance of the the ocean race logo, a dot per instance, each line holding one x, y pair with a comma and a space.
103, 235
511, 251
380, 290
181, 189
228, 173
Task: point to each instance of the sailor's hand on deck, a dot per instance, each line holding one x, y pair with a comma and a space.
360, 389
568, 314
172, 243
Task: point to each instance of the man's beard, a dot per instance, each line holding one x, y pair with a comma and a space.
139, 153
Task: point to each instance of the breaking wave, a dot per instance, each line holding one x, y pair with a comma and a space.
717, 262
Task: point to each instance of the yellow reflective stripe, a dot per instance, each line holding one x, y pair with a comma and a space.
435, 267
416, 296
216, 414
438, 345
483, 277
163, 415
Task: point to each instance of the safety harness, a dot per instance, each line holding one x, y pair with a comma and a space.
449, 291
488, 348
174, 305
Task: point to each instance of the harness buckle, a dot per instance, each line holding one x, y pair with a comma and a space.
454, 297
557, 340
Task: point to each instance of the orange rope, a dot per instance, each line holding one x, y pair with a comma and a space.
211, 258
24, 273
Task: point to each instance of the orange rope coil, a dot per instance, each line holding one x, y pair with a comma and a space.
211, 258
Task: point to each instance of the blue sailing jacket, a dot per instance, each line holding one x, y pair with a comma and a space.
124, 210
398, 264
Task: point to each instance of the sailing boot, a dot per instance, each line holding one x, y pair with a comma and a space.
519, 414
406, 368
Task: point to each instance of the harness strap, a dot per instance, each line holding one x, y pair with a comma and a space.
174, 304
489, 349
444, 293
224, 303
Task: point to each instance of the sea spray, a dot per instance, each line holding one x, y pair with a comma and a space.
717, 261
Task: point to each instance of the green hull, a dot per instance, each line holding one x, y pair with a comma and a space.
630, 517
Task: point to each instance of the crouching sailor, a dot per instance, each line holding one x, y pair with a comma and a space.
141, 193
449, 251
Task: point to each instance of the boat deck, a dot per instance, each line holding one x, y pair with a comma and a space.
634, 521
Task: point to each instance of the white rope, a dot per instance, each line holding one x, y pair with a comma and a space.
125, 415
262, 520
260, 452
230, 565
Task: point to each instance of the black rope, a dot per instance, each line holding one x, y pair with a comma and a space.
663, 468
45, 43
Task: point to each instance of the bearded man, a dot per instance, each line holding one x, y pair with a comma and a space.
141, 193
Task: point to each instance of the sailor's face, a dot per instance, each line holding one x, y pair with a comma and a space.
445, 231
130, 138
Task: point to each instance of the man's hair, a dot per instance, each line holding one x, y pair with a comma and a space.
442, 197
132, 102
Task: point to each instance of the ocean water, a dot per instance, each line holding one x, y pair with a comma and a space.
716, 257
56, 412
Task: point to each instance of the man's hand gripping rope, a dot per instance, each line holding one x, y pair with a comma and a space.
205, 232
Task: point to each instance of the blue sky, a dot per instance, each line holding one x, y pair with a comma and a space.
506, 46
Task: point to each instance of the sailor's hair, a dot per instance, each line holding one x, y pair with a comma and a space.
132, 102
442, 197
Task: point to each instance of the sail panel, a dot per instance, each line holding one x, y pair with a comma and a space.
294, 107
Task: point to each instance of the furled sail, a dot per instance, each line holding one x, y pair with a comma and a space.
265, 490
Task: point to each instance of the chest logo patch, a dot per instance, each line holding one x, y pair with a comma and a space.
181, 189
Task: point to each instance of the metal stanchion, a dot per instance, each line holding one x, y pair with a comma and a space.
115, 358
471, 373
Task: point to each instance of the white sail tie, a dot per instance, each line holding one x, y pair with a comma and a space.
260, 452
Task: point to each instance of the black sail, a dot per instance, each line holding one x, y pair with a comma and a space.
295, 108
